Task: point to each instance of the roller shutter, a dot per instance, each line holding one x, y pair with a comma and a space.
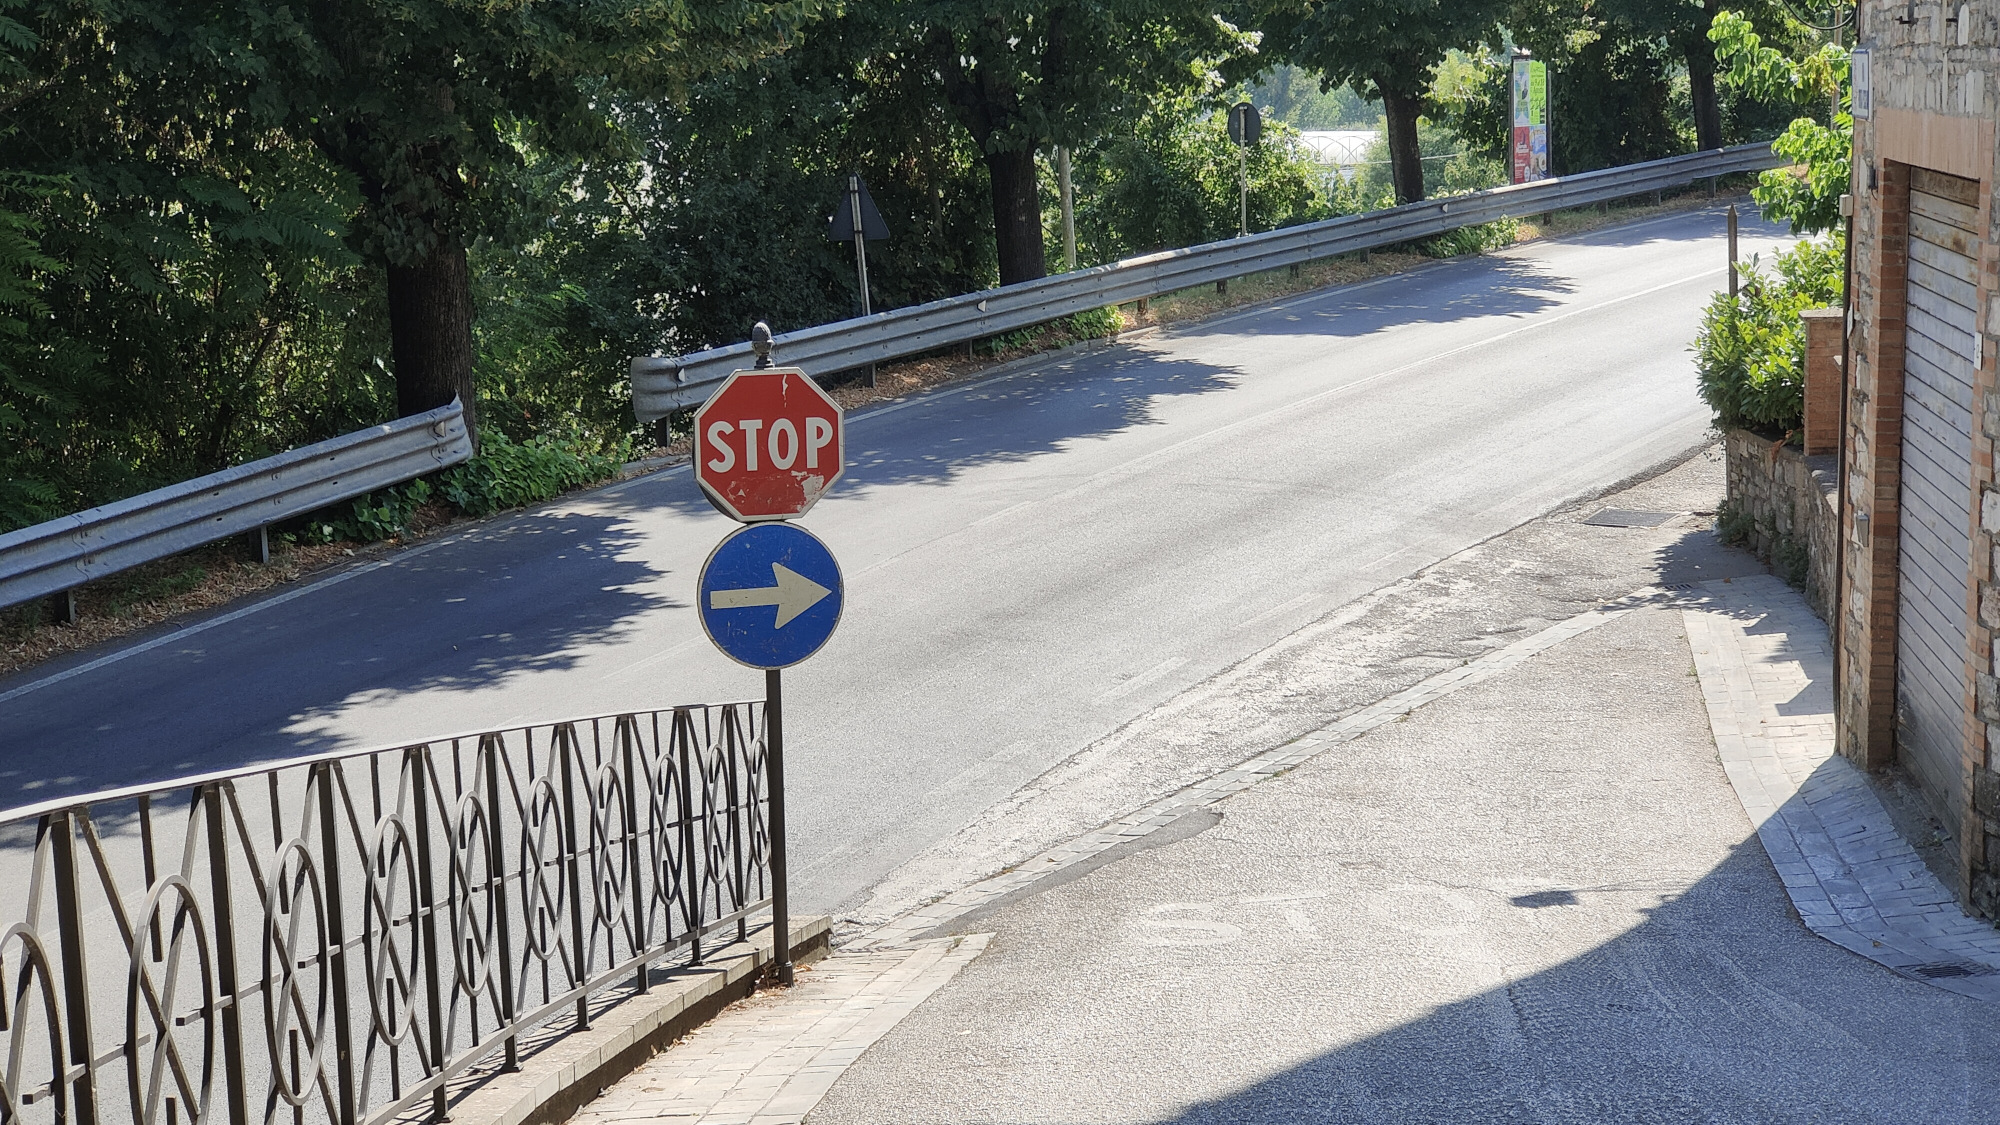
1935, 556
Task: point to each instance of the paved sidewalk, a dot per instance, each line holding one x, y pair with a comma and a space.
1766, 676
1535, 899
1135, 827
769, 1059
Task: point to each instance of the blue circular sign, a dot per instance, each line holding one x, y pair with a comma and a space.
770, 595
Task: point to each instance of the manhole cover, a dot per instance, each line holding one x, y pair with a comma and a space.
1938, 970
1622, 517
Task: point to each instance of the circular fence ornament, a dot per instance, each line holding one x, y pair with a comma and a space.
153, 987
294, 883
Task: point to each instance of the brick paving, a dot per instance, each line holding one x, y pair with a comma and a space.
769, 1060
1766, 673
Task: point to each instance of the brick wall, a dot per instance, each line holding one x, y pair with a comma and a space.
1936, 86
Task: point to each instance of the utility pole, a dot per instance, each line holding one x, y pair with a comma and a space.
1068, 208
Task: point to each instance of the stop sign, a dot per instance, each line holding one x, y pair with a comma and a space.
767, 444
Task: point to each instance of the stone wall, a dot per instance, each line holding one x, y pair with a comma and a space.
1936, 106
1787, 504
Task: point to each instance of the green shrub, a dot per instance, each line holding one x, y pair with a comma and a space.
1750, 353
379, 515
507, 474
1095, 323
1471, 240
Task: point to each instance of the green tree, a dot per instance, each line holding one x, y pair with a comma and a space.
1610, 90
1021, 75
1171, 181
427, 108
1386, 49
1683, 26
1807, 194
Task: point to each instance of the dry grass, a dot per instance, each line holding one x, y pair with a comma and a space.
216, 575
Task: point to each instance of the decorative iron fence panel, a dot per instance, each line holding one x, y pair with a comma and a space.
344, 938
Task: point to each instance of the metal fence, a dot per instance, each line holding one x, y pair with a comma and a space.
663, 384
343, 938
64, 553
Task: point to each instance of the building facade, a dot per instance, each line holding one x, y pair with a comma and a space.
1919, 608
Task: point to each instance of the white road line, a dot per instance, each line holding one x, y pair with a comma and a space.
222, 619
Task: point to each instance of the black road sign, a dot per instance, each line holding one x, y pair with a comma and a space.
872, 227
1246, 125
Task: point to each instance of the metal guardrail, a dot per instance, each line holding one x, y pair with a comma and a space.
663, 384
347, 938
64, 553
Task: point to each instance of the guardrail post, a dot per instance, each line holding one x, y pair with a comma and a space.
260, 544
76, 980
225, 957
62, 607
336, 938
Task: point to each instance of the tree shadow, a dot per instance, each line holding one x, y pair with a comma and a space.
1466, 289
1719, 1007
531, 591
938, 435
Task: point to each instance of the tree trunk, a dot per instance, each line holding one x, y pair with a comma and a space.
430, 330
1707, 110
1017, 216
1406, 159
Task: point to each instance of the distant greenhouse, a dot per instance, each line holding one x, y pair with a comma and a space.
1339, 149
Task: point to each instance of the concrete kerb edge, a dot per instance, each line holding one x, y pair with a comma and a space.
571, 1072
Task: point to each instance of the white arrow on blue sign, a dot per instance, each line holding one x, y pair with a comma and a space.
770, 595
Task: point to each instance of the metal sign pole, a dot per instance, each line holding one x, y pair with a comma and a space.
1732, 253
774, 760
860, 252
1243, 190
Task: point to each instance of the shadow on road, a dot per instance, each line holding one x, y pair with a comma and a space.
1009, 419
1719, 1007
1479, 287
531, 594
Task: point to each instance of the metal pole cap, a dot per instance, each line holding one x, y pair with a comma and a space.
760, 342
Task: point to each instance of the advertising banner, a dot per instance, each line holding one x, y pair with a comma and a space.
1531, 120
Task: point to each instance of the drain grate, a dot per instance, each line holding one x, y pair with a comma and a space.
1625, 517
1939, 970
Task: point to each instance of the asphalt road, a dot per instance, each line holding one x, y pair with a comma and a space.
1032, 560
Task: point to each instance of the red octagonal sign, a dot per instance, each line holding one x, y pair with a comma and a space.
767, 445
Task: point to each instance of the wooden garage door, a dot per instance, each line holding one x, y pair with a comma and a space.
1936, 518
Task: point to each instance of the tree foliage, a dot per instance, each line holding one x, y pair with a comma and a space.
1750, 351
1021, 75
1807, 193
1386, 49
